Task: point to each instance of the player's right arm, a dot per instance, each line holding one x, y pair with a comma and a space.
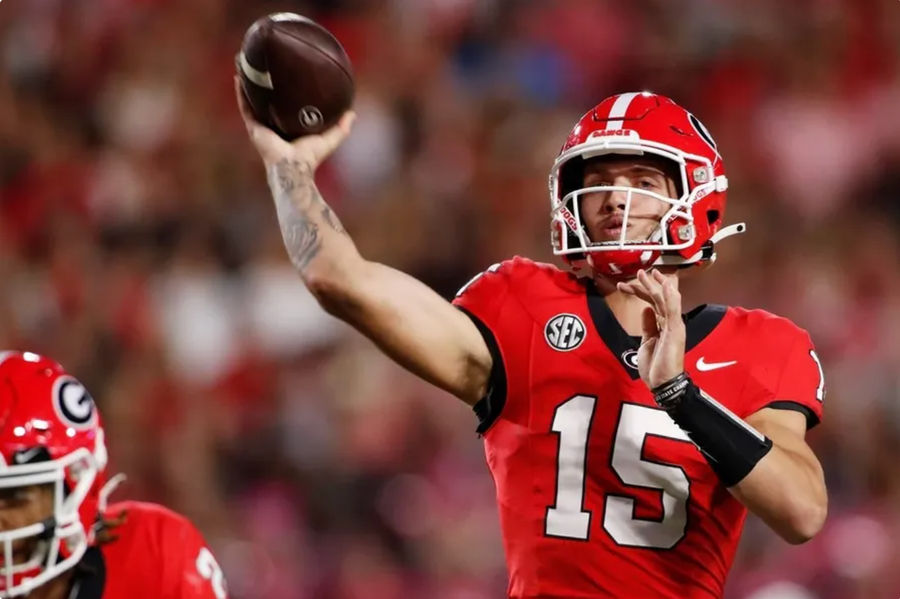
405, 318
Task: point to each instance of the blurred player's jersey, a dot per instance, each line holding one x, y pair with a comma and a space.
600, 493
157, 554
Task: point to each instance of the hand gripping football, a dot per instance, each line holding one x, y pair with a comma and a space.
296, 76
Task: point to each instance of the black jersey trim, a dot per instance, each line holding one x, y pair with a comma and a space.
90, 576
811, 418
609, 329
699, 323
488, 408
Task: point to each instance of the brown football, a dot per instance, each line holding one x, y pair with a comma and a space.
295, 75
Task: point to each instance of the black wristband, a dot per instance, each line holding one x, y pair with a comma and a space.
731, 446
669, 394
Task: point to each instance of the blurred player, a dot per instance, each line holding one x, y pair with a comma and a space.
58, 539
626, 440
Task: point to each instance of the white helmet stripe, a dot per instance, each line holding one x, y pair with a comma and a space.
619, 109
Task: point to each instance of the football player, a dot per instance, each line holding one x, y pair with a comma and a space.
626, 440
58, 538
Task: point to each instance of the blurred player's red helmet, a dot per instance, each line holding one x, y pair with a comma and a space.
50, 434
639, 124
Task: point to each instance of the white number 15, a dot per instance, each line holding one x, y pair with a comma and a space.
567, 517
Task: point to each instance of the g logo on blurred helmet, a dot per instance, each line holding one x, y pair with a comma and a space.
73, 404
703, 132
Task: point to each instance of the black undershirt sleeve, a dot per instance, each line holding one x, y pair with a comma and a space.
489, 407
811, 418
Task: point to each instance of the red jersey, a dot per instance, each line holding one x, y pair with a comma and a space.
600, 493
157, 554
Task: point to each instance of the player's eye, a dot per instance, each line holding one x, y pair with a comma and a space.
647, 183
14, 496
600, 183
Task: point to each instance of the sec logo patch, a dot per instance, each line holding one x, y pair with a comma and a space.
564, 332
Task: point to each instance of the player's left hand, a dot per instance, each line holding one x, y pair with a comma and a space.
661, 355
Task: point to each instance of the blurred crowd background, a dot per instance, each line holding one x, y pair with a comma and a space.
139, 247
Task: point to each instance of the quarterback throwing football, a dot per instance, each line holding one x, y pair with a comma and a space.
627, 440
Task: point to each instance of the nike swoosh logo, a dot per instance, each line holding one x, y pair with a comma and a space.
24, 457
703, 365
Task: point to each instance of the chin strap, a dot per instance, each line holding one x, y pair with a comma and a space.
728, 231
108, 489
707, 253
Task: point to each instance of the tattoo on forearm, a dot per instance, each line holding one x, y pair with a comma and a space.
332, 219
296, 201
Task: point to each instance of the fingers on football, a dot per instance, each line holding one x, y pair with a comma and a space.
347, 120
243, 105
330, 139
261, 135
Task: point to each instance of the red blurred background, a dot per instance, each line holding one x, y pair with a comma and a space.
139, 247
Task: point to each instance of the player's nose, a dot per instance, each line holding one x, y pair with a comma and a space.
614, 201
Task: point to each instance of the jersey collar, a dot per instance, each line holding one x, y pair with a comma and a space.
699, 323
90, 576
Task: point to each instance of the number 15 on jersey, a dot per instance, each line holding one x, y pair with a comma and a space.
567, 518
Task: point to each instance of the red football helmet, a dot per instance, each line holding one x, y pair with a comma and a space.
50, 434
639, 124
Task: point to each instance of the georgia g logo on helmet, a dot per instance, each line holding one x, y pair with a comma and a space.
72, 402
704, 133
